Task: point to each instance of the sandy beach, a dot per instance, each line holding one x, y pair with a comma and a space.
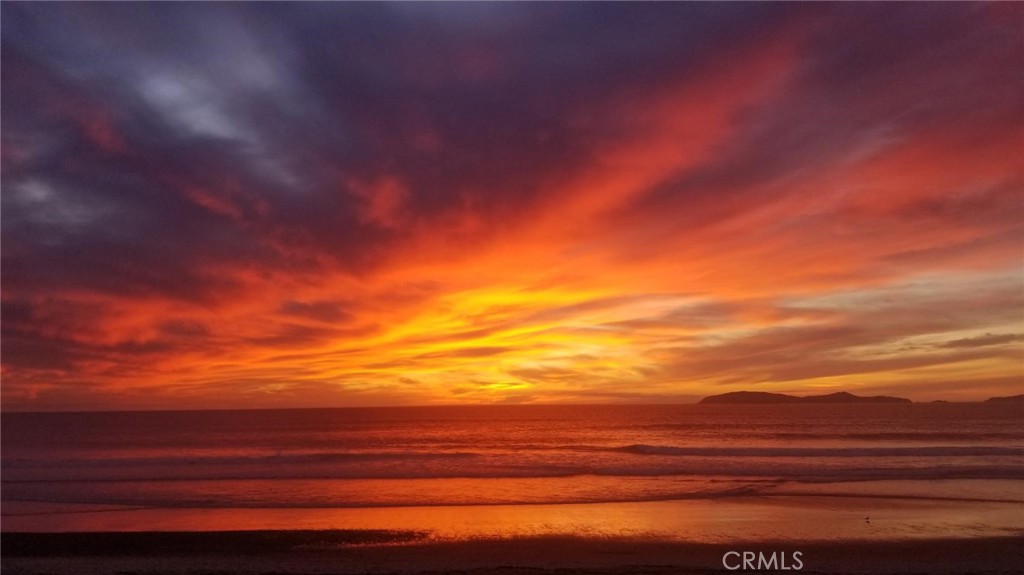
835, 516
348, 552
832, 535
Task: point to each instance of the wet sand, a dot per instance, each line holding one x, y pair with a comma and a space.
834, 534
352, 552
798, 518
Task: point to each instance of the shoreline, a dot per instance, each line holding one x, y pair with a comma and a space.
349, 552
827, 516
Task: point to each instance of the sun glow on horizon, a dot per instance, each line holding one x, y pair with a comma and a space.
749, 198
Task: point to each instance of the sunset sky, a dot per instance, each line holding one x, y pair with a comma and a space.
324, 204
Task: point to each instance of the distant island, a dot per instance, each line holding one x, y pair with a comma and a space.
765, 397
1011, 398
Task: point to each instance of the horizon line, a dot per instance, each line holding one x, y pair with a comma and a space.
443, 405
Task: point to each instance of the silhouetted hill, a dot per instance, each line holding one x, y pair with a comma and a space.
765, 397
1011, 398
750, 397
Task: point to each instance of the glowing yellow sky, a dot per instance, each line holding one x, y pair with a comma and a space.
477, 210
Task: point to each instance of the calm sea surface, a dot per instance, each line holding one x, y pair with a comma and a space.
432, 456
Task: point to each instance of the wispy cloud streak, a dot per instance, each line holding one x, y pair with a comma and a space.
306, 204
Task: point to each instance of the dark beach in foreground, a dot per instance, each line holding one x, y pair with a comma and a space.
345, 552
832, 533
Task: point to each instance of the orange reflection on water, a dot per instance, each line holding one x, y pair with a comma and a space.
803, 519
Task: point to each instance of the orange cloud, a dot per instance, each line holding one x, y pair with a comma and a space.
785, 201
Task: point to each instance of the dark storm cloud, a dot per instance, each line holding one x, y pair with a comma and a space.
146, 141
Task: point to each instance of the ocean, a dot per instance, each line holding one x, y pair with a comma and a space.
449, 457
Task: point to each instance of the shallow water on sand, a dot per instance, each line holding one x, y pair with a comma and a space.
781, 518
